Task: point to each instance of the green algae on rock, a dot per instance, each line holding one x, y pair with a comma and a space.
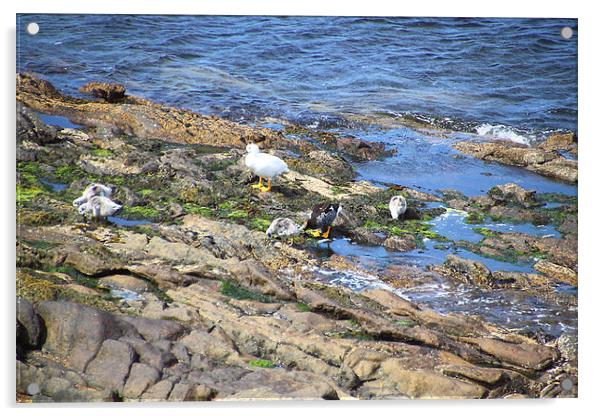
226, 312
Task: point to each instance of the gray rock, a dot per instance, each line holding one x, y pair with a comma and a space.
159, 391
94, 260
54, 386
199, 362
513, 193
31, 127
396, 243
203, 393
111, 365
141, 377
84, 396
567, 345
466, 271
76, 332
175, 210
27, 377
281, 384
150, 354
180, 351
182, 392
163, 344
156, 329
29, 334
201, 342
176, 372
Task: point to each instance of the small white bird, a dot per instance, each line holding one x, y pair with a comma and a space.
91, 191
264, 166
99, 207
397, 206
283, 228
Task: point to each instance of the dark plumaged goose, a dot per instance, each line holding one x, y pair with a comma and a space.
321, 219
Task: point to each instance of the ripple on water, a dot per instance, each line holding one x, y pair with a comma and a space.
429, 163
452, 224
512, 309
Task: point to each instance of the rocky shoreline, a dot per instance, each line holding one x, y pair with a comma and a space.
192, 301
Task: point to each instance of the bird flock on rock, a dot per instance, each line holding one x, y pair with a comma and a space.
95, 201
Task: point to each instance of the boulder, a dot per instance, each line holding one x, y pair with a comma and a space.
395, 243
361, 149
156, 329
31, 329
517, 214
110, 93
560, 141
180, 351
426, 384
76, 332
158, 392
111, 365
540, 160
532, 357
150, 354
182, 392
556, 271
201, 342
90, 260
466, 271
514, 194
364, 362
141, 377
54, 386
279, 384
31, 127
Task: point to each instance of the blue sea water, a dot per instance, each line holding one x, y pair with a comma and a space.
502, 76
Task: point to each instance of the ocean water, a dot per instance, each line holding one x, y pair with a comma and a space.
507, 78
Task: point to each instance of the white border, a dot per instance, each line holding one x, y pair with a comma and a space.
590, 96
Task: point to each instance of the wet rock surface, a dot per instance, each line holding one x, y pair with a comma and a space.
545, 160
196, 303
107, 92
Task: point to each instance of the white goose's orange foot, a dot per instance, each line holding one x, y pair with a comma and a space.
266, 188
258, 185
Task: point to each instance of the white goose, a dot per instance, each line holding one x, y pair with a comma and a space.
91, 191
99, 207
283, 228
397, 206
264, 166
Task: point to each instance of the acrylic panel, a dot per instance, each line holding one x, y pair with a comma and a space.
288, 207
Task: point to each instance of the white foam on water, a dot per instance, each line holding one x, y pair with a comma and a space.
500, 131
